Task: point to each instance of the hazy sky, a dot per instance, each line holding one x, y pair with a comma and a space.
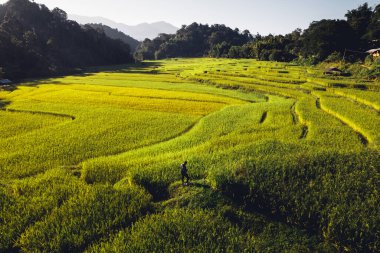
263, 16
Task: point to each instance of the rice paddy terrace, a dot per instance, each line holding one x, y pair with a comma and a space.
281, 159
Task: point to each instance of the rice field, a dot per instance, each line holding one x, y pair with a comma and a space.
280, 160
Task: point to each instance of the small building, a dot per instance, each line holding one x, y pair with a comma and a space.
374, 52
5, 81
333, 71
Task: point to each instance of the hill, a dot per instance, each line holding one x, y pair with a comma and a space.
116, 34
36, 41
139, 32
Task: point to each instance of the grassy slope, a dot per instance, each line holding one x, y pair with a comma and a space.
271, 143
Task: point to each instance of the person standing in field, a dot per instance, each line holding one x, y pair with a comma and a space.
184, 173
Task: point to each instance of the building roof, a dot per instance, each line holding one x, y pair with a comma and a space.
334, 69
5, 81
371, 51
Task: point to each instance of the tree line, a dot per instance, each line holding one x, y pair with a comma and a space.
36, 41
359, 32
195, 40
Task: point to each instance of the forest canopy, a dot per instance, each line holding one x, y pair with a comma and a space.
359, 32
36, 41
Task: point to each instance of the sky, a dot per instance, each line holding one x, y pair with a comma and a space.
258, 16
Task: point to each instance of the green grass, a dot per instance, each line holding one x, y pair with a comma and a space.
369, 98
88, 216
197, 230
277, 160
104, 124
18, 123
358, 116
24, 202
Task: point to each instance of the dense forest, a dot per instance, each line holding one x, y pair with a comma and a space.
195, 40
321, 40
36, 41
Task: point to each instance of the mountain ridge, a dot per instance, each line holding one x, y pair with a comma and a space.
139, 31
114, 33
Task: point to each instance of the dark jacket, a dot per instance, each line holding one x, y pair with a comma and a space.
183, 169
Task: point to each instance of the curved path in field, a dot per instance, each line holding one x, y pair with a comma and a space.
364, 139
39, 112
358, 100
361, 135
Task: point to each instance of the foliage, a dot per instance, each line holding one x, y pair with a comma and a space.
360, 20
35, 41
327, 36
359, 32
194, 40
373, 30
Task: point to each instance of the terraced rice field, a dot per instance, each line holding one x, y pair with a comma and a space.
280, 160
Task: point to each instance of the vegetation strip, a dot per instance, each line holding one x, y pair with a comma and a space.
363, 138
38, 112
366, 102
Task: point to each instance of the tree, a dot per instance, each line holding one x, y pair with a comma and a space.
145, 51
220, 50
324, 37
235, 52
359, 19
59, 14
35, 41
373, 31
194, 40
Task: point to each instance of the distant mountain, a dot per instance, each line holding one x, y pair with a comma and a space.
113, 33
139, 32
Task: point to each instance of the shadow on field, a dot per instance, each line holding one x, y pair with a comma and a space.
3, 104
160, 191
241, 195
135, 68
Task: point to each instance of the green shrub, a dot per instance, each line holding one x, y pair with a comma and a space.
334, 57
